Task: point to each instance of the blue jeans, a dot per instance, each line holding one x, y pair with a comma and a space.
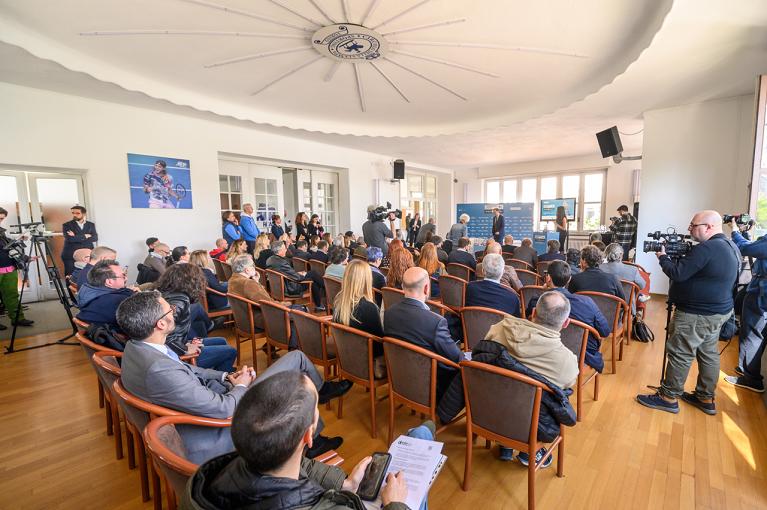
217, 354
199, 322
421, 432
752, 341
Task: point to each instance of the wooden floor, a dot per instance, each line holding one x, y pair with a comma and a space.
54, 452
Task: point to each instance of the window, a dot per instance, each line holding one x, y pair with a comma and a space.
571, 186
548, 187
592, 201
528, 190
230, 188
758, 203
265, 203
418, 194
509, 191
326, 208
493, 192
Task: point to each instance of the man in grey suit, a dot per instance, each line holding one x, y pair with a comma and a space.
154, 373
431, 226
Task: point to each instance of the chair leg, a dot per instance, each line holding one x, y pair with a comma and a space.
391, 419
142, 467
579, 399
253, 350
373, 411
467, 462
531, 480
156, 490
596, 387
101, 394
170, 496
131, 451
118, 433
614, 360
620, 350
268, 350
326, 374
340, 411
237, 345
561, 456
108, 415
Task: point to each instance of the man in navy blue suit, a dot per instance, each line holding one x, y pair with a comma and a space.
463, 254
489, 292
498, 229
78, 233
412, 321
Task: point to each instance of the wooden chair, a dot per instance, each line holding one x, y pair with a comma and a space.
384, 270
244, 324
631, 290
575, 337
225, 312
226, 267
441, 308
318, 267
459, 271
360, 257
412, 373
543, 268
616, 312
277, 327
72, 286
519, 264
513, 424
526, 293
391, 296
452, 290
90, 348
81, 326
277, 288
220, 273
314, 340
108, 370
300, 265
528, 277
332, 288
477, 321
167, 450
355, 362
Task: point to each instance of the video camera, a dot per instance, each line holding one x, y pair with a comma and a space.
740, 219
676, 245
380, 213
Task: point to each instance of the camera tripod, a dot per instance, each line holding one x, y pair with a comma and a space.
41, 248
669, 310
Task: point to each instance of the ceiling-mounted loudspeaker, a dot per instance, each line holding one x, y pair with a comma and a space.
399, 169
610, 142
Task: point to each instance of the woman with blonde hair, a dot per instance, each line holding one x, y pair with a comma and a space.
262, 251
432, 265
201, 259
400, 260
238, 247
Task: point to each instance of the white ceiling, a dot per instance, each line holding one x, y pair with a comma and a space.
633, 56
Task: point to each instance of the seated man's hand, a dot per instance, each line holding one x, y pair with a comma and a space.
196, 341
352, 483
192, 348
244, 376
302, 273
395, 490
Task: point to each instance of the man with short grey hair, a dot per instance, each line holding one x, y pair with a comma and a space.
509, 276
490, 293
614, 265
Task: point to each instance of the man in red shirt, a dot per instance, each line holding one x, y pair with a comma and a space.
220, 251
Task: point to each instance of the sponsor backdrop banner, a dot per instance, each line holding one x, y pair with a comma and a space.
518, 219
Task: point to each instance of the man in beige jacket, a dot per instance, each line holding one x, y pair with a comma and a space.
537, 344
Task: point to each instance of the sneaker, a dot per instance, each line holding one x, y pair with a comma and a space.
431, 426
693, 400
657, 402
738, 381
506, 454
643, 298
524, 458
739, 371
322, 444
333, 389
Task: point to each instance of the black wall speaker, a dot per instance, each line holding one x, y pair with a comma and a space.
399, 169
610, 142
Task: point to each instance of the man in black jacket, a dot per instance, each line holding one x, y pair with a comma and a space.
78, 233
99, 298
322, 252
701, 290
463, 254
498, 225
293, 286
592, 278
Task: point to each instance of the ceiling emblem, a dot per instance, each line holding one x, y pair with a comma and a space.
347, 42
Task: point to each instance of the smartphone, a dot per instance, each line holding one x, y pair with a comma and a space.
374, 476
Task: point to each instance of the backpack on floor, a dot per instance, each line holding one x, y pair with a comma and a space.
642, 331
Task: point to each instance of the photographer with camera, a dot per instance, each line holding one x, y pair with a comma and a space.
753, 317
9, 277
701, 288
375, 230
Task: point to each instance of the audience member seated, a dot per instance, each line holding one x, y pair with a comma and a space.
595, 236
245, 283
201, 259
293, 286
179, 255
508, 245
273, 425
574, 260
277, 230
338, 256
99, 298
489, 292
412, 320
429, 261
321, 253
153, 372
463, 254
375, 255
261, 252
360, 247
151, 242
400, 260
98, 254
182, 285
313, 241
300, 250
592, 278
582, 308
328, 238
526, 253
395, 244
236, 248
614, 265
442, 255
221, 249
600, 245
533, 349
81, 257
509, 277
552, 253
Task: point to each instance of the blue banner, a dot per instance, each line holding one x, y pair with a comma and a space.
518, 219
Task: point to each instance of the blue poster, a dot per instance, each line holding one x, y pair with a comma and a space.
157, 182
518, 219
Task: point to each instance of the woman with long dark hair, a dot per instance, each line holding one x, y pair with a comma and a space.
301, 227
563, 226
230, 227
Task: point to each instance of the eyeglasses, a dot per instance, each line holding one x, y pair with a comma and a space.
172, 310
693, 225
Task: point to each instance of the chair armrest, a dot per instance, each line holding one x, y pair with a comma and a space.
190, 358
214, 291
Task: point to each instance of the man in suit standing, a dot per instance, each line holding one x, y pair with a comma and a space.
153, 372
489, 292
412, 320
78, 233
498, 228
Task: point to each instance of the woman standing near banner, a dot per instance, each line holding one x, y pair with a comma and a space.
562, 227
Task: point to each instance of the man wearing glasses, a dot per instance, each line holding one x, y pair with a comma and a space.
701, 290
106, 289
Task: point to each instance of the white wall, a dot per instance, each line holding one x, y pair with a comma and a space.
696, 157
47, 129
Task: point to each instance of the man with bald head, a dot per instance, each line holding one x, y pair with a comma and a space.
701, 290
412, 320
509, 277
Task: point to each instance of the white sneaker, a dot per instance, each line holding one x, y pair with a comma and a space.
644, 298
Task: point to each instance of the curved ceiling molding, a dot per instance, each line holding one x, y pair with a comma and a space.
439, 67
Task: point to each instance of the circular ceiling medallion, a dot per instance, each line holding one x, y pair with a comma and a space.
346, 42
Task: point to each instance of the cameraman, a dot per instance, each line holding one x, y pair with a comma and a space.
9, 279
701, 290
753, 317
624, 229
375, 230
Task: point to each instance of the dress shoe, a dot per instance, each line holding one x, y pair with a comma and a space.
322, 444
2, 327
24, 322
332, 389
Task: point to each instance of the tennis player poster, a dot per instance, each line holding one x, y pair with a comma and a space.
157, 182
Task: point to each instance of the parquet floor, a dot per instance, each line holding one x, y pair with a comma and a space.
54, 452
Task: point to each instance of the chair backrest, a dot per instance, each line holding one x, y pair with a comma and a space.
527, 293
355, 350
391, 296
81, 326
527, 277
360, 257
89, 347
631, 291
318, 267
227, 269
543, 268
276, 284
636, 266
276, 322
452, 290
332, 288
575, 337
519, 264
477, 321
439, 308
610, 306
459, 271
220, 273
137, 411
412, 371
384, 270
486, 385
311, 332
242, 311
300, 264
107, 367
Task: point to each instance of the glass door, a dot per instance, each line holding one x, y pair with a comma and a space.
325, 199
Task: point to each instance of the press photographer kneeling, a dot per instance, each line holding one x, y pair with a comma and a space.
701, 290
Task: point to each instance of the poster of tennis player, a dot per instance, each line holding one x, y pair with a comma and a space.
158, 182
